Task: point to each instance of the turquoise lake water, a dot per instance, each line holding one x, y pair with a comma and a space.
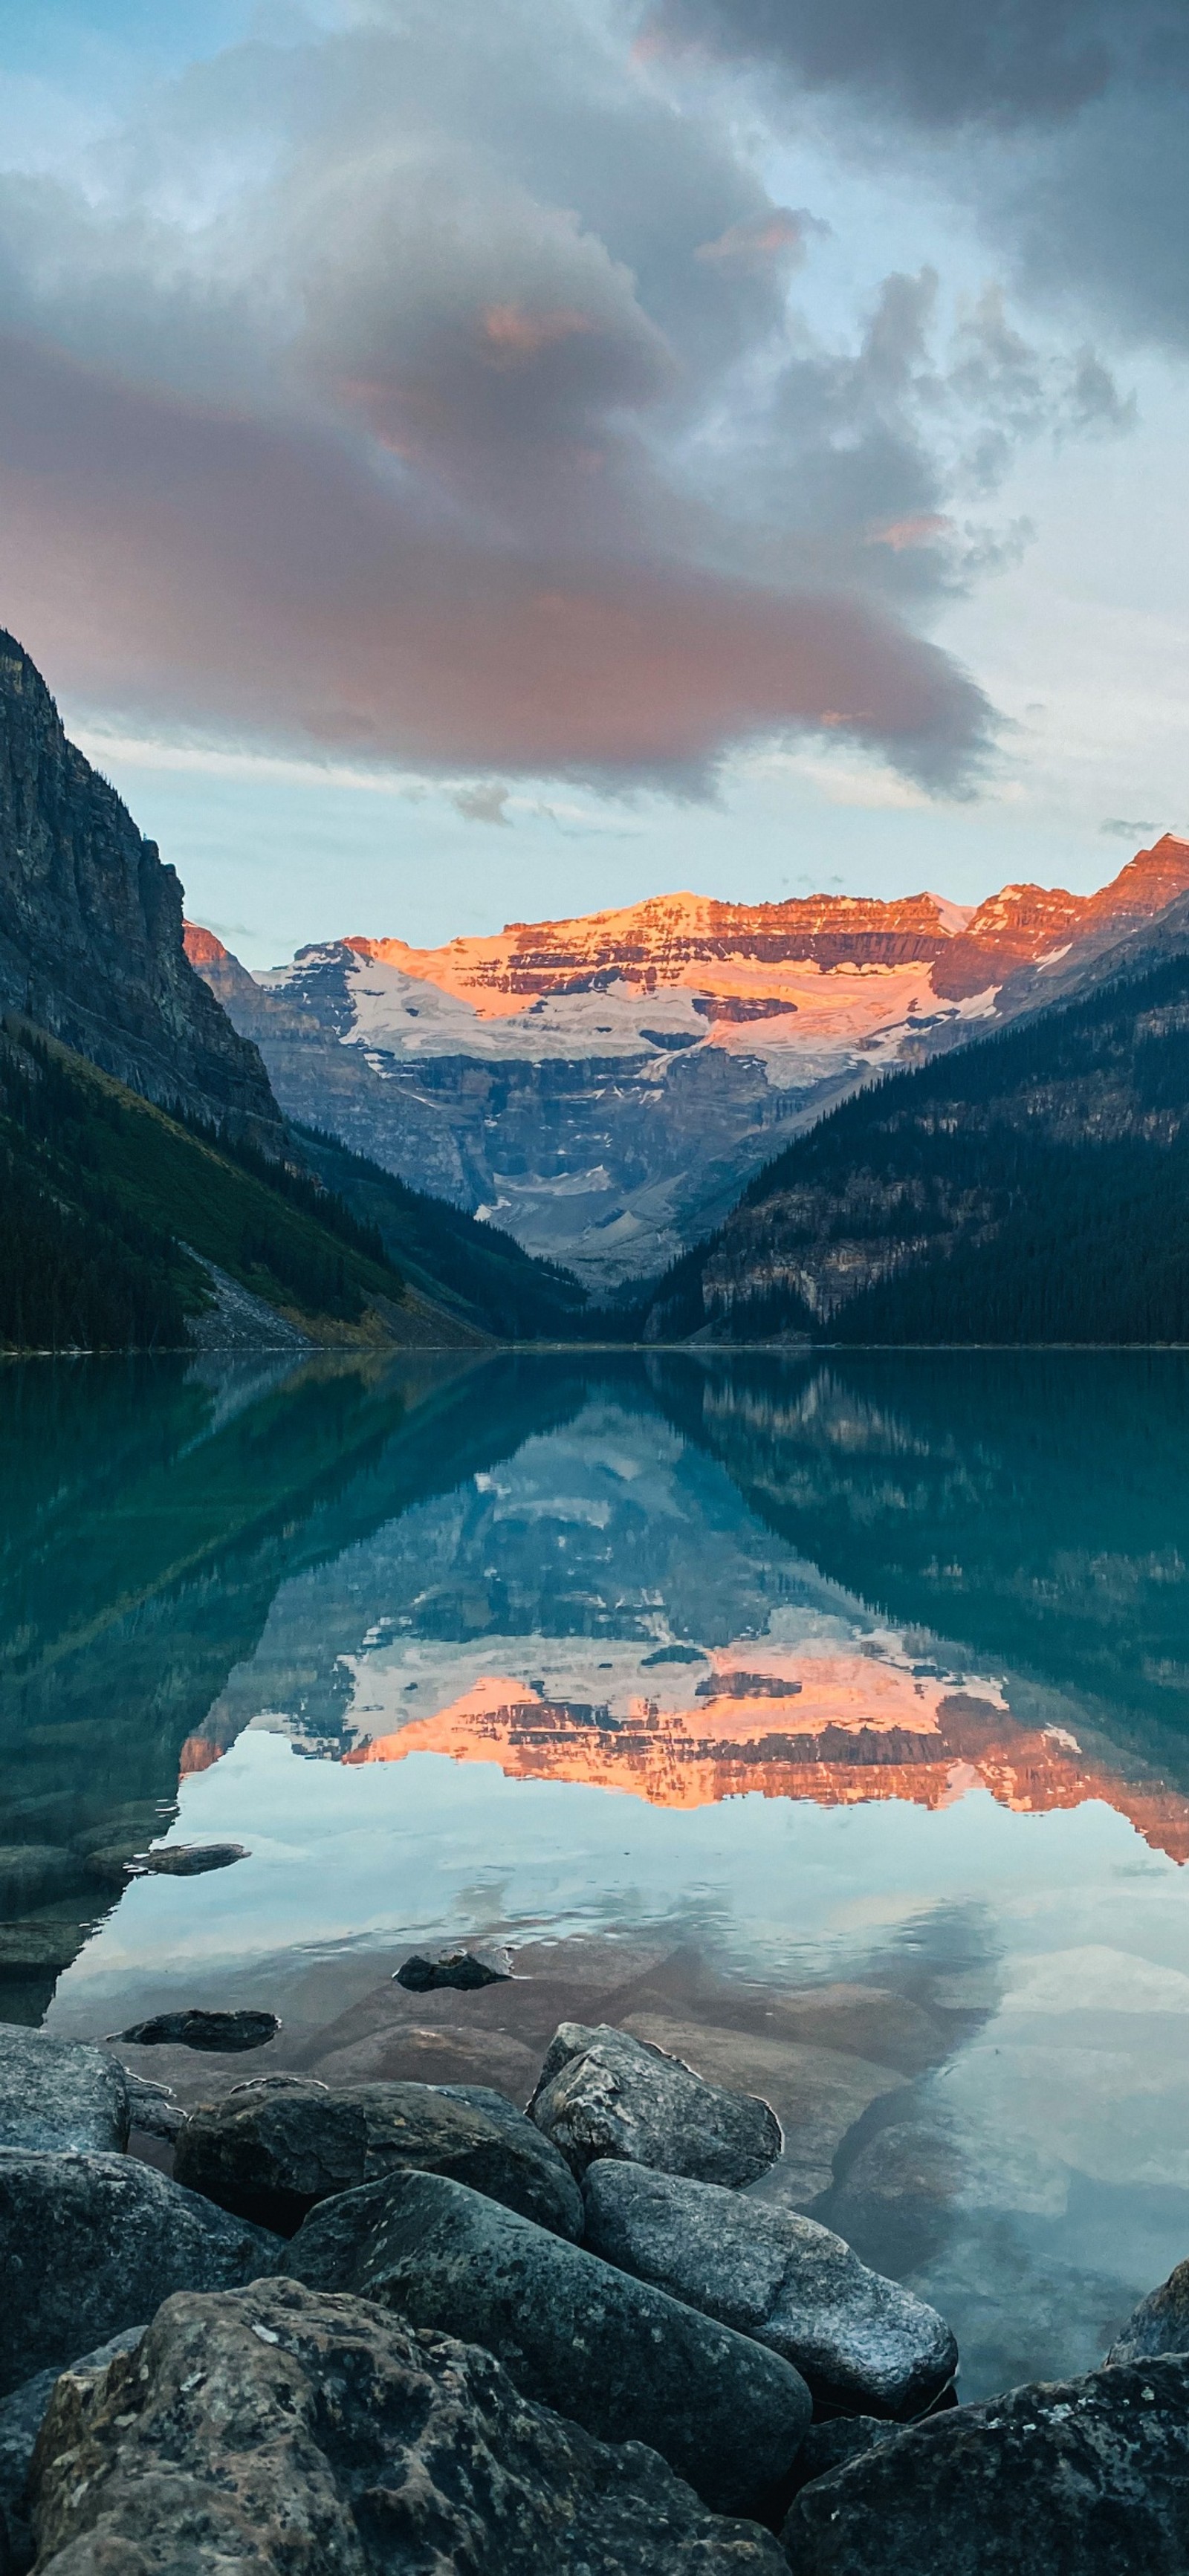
826, 1720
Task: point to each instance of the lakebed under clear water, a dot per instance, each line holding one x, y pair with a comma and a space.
825, 1720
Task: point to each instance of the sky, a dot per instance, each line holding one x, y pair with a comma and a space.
465, 464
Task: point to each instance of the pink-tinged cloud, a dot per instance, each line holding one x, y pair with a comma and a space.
176, 558
511, 332
903, 534
780, 235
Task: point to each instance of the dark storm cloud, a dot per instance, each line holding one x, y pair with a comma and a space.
947, 62
1066, 119
430, 387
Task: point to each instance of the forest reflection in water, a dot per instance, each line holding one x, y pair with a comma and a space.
823, 1720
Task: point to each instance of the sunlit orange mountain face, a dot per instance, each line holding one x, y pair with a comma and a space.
839, 1730
603, 1086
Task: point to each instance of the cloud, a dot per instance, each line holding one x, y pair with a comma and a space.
428, 390
780, 235
1063, 121
940, 65
228, 572
485, 802
1118, 828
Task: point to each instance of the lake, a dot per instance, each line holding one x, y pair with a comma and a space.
823, 1720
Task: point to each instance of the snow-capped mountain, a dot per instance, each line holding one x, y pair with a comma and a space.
603, 1087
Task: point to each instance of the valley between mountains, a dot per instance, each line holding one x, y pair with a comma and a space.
601, 1089
831, 1120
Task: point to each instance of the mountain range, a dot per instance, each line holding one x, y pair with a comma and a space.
603, 1087
828, 1120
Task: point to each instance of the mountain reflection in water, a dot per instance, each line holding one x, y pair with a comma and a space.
687, 1579
823, 1721
869, 1730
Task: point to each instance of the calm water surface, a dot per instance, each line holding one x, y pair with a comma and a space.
827, 1722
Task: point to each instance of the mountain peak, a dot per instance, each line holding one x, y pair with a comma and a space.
91, 923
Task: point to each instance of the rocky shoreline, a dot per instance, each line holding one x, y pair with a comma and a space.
405, 2326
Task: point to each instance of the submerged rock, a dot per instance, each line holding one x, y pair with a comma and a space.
59, 2093
1159, 2324
465, 1969
860, 2341
1085, 2477
273, 2149
365, 2447
21, 2418
603, 2093
228, 2033
620, 2357
186, 1860
91, 2243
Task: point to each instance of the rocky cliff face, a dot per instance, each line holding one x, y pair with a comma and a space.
603, 1087
91, 925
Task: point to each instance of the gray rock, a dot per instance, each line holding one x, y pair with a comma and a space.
1159, 2324
91, 2243
364, 2449
1085, 2477
187, 1860
602, 2093
829, 2445
860, 2341
332, 2244
273, 2149
21, 2418
59, 2092
226, 2033
619, 2357
466, 1969
155, 2108
270, 2149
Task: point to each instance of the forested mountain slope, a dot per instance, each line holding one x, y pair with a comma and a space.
120, 1224
472, 1268
1032, 1186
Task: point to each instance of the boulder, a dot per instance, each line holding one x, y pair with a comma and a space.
1082, 2477
59, 2093
829, 2445
465, 1969
187, 1860
1159, 2324
860, 2342
295, 2434
621, 2358
21, 2418
91, 2243
153, 2108
228, 2033
603, 2093
273, 2149
817, 2093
